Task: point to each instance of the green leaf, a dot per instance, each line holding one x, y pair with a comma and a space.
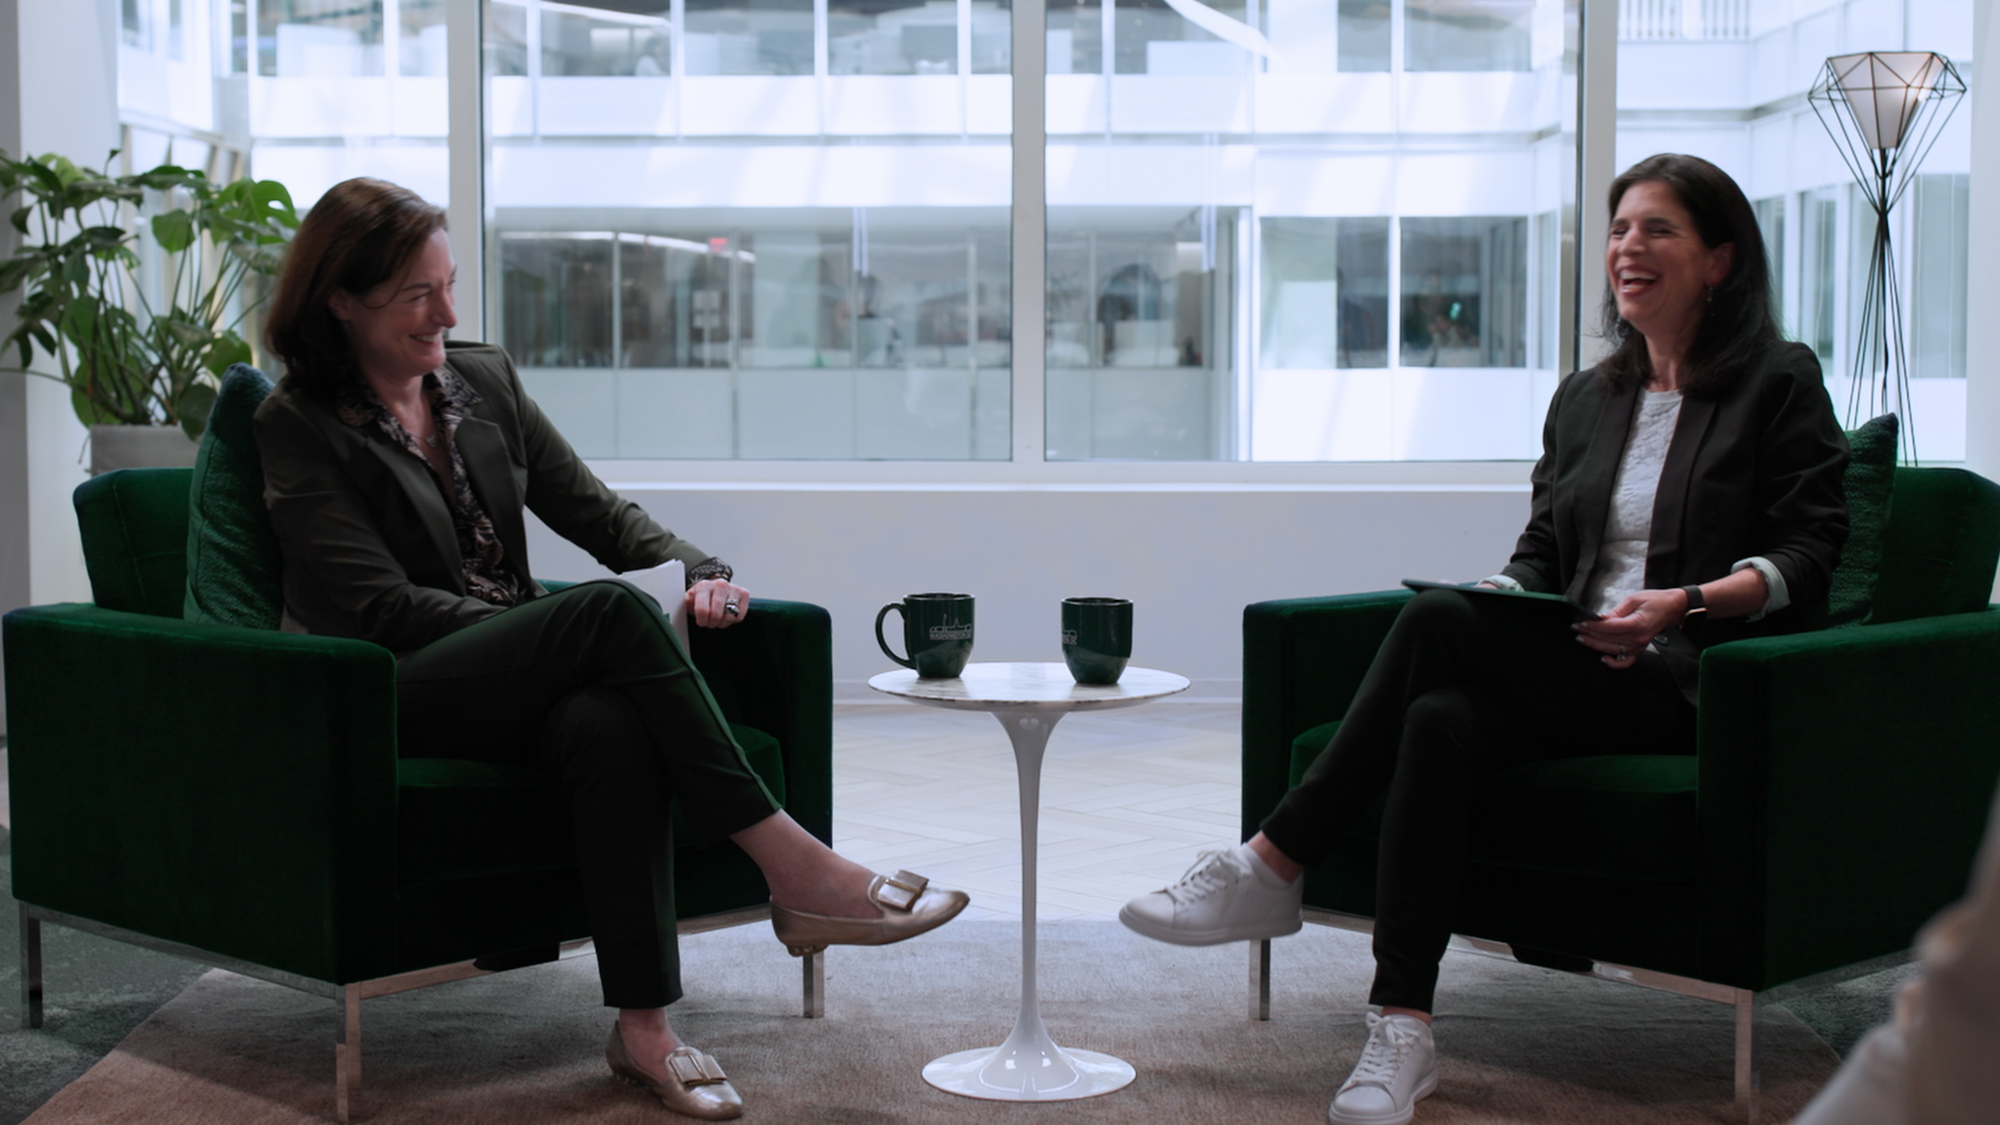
20, 218
87, 411
46, 177
184, 332
273, 199
102, 240
228, 348
174, 231
166, 177
193, 407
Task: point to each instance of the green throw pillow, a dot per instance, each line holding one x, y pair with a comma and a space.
234, 570
1871, 476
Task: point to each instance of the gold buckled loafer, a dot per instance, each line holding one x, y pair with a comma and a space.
910, 906
695, 1084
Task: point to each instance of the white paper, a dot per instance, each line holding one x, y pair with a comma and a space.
667, 583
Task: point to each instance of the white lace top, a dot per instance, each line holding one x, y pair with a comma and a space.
1628, 529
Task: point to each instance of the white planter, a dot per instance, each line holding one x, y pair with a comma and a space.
140, 447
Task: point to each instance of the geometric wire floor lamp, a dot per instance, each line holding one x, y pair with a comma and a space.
1884, 110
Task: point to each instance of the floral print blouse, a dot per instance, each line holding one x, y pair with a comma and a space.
479, 549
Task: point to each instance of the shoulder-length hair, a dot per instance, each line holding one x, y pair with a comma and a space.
1738, 323
361, 233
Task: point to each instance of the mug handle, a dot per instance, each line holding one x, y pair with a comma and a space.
880, 640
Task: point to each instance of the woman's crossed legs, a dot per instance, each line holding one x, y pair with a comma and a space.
592, 684
1463, 686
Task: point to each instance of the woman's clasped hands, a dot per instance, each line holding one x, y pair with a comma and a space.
1632, 624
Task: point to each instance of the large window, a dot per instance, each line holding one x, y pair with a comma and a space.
1465, 292
1403, 212
720, 234
1140, 333
1276, 230
1468, 35
1325, 293
1684, 67
1940, 209
874, 340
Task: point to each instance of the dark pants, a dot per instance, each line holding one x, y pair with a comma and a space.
1463, 686
591, 684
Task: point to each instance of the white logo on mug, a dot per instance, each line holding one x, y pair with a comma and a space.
951, 632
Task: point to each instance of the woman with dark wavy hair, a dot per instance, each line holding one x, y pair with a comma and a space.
1689, 493
397, 467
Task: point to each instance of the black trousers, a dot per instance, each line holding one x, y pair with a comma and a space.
1464, 685
591, 684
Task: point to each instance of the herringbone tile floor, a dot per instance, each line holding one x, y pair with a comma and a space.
1128, 799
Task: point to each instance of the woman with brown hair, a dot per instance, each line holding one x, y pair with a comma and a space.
397, 467
1689, 493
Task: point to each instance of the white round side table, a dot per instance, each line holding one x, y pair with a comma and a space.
1028, 699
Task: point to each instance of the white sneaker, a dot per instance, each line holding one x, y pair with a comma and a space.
1398, 1068
1219, 899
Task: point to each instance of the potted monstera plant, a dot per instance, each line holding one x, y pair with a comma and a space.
140, 340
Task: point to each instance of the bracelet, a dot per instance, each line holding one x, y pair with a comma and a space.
708, 568
1697, 605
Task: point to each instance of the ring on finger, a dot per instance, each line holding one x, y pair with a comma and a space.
729, 609
1621, 652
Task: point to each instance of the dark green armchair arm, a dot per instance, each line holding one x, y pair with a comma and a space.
230, 789
774, 671
1844, 783
1303, 659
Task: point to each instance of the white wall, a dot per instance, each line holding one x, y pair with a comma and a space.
1190, 558
47, 47
1982, 282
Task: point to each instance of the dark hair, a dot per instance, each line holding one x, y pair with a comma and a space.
361, 233
1737, 324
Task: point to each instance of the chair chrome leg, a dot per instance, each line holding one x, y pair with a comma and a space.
814, 965
1749, 1078
1260, 980
31, 969
347, 1055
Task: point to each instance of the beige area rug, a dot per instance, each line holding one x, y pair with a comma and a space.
1518, 1044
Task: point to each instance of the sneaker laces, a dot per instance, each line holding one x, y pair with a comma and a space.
1212, 872
1389, 1043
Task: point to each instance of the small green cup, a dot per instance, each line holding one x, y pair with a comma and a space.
937, 631
1096, 638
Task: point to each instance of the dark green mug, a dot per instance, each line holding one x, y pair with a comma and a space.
1096, 638
937, 630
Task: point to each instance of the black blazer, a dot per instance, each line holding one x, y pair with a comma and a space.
1754, 469
369, 547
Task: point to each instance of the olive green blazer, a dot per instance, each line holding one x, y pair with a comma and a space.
369, 547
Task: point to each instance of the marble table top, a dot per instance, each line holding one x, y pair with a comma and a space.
995, 686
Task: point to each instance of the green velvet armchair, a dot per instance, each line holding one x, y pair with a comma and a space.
234, 794
1835, 801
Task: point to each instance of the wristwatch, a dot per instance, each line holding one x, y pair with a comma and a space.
1696, 606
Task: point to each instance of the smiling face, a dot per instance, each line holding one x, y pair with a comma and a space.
398, 327
1659, 269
